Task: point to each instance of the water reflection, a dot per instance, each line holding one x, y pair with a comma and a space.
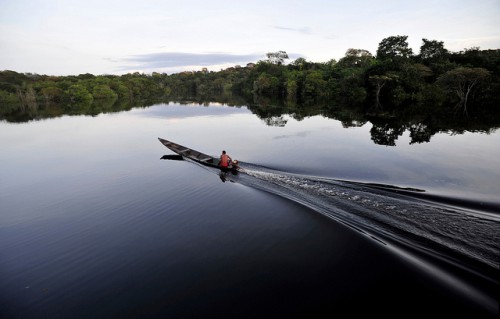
422, 122
172, 157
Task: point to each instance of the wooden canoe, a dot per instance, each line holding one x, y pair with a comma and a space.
196, 156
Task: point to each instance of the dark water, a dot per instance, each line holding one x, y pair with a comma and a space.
322, 221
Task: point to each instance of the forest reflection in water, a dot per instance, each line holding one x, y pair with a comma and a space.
400, 129
421, 121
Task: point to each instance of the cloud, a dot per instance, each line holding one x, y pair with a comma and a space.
298, 134
303, 30
182, 59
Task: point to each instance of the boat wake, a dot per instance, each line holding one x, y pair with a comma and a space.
435, 233
469, 238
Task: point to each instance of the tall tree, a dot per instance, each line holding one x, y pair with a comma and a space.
356, 58
462, 81
379, 81
394, 47
277, 57
432, 50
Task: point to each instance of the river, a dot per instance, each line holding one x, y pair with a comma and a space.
322, 219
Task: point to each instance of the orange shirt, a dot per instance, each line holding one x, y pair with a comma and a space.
224, 160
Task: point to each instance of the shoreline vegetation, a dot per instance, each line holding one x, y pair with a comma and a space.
395, 90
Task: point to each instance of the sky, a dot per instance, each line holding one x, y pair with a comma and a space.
68, 37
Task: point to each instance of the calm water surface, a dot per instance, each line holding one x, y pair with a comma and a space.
323, 220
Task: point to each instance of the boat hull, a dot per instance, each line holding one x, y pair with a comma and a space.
196, 156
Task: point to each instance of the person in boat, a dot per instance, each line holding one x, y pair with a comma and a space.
225, 160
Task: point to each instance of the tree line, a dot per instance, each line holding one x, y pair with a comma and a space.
464, 82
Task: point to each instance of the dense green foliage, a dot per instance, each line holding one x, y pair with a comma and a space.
466, 83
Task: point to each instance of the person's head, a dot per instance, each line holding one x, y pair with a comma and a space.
223, 152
